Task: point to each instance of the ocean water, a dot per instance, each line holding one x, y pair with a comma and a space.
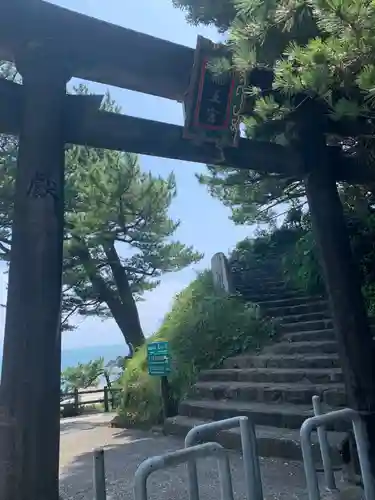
71, 357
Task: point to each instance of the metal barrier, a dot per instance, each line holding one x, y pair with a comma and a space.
182, 456
189, 455
253, 478
317, 421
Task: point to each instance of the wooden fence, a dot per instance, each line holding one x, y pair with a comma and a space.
109, 398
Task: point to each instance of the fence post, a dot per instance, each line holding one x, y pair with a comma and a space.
106, 402
76, 400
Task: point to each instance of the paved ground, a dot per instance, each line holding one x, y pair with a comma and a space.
126, 449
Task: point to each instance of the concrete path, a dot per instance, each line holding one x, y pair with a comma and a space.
126, 449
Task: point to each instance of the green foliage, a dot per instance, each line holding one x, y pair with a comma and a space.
292, 244
203, 329
267, 244
216, 12
253, 196
113, 201
83, 375
301, 261
301, 264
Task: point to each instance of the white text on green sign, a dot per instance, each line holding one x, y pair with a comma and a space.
158, 359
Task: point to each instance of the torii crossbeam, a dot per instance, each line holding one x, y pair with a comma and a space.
50, 45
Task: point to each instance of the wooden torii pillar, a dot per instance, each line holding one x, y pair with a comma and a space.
30, 381
342, 278
29, 425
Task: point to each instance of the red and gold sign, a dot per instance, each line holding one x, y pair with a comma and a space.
213, 103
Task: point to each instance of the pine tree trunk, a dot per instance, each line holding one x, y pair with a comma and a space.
125, 293
125, 314
342, 278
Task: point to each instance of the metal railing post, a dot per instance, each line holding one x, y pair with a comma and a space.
99, 475
254, 490
249, 444
182, 456
348, 415
324, 447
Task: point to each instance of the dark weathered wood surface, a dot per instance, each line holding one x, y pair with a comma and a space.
98, 51
84, 124
342, 279
30, 380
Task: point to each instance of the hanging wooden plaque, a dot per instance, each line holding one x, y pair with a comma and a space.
213, 104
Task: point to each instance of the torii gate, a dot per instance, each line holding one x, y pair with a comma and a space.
49, 45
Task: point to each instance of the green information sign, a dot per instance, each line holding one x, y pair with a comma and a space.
158, 359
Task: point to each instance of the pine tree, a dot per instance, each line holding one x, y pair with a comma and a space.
295, 53
118, 238
217, 12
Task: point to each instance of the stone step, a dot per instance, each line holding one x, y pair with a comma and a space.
267, 276
267, 296
332, 394
307, 347
269, 280
290, 302
315, 335
268, 288
271, 441
287, 361
284, 415
265, 375
269, 268
306, 326
304, 308
303, 318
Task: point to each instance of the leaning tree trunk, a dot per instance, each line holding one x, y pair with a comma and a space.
124, 291
341, 275
124, 313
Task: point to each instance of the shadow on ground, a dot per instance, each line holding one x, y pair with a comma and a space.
84, 425
85, 422
126, 449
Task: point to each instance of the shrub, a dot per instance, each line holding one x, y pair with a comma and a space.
202, 329
301, 265
275, 241
292, 244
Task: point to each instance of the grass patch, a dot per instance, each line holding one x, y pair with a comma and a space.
203, 329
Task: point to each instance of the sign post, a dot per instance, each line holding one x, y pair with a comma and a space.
159, 365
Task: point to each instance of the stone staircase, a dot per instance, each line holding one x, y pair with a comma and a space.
273, 387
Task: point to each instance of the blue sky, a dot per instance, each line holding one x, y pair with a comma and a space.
205, 222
